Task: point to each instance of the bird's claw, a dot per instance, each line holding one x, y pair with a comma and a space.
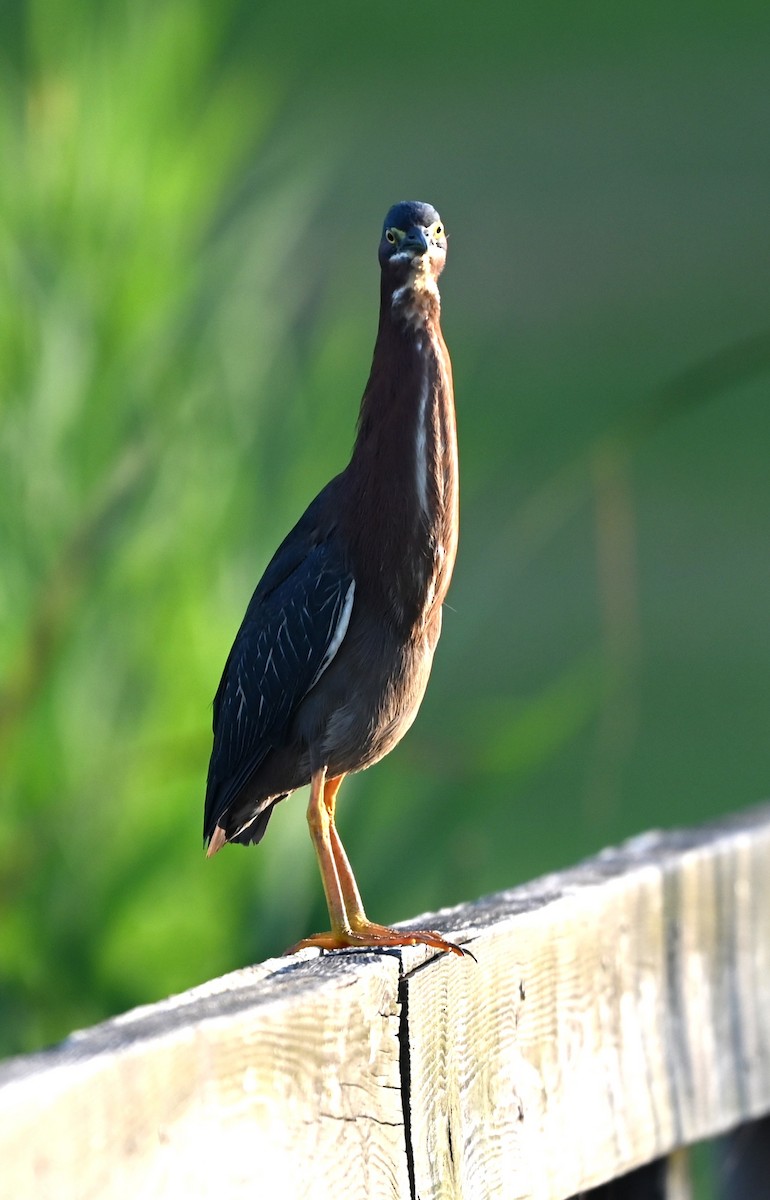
372, 936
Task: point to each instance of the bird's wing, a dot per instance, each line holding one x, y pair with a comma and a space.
290, 634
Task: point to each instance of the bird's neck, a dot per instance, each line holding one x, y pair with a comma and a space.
403, 476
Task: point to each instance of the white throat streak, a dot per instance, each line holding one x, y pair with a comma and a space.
421, 441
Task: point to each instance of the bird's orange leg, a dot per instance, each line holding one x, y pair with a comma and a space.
350, 924
319, 823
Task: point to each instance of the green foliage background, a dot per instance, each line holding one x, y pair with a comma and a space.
190, 201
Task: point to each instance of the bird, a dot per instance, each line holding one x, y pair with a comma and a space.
332, 659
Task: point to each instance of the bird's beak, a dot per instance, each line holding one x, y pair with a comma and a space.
415, 241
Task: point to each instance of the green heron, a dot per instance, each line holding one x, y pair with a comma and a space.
331, 662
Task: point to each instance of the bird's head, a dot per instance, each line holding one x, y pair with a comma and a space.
413, 244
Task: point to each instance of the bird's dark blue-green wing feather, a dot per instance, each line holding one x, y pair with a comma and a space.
292, 629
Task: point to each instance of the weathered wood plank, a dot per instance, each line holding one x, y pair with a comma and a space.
618, 1011
281, 1080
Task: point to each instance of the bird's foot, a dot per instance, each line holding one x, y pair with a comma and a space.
367, 934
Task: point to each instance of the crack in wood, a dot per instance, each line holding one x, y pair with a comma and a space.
405, 1070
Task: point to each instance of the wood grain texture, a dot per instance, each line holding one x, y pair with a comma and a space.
616, 1012
281, 1080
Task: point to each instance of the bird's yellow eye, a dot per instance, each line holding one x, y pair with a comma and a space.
438, 231
391, 237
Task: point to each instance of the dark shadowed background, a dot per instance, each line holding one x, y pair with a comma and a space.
191, 197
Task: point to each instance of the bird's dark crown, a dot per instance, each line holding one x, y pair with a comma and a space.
407, 213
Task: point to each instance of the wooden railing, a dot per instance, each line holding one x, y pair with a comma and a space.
616, 1013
